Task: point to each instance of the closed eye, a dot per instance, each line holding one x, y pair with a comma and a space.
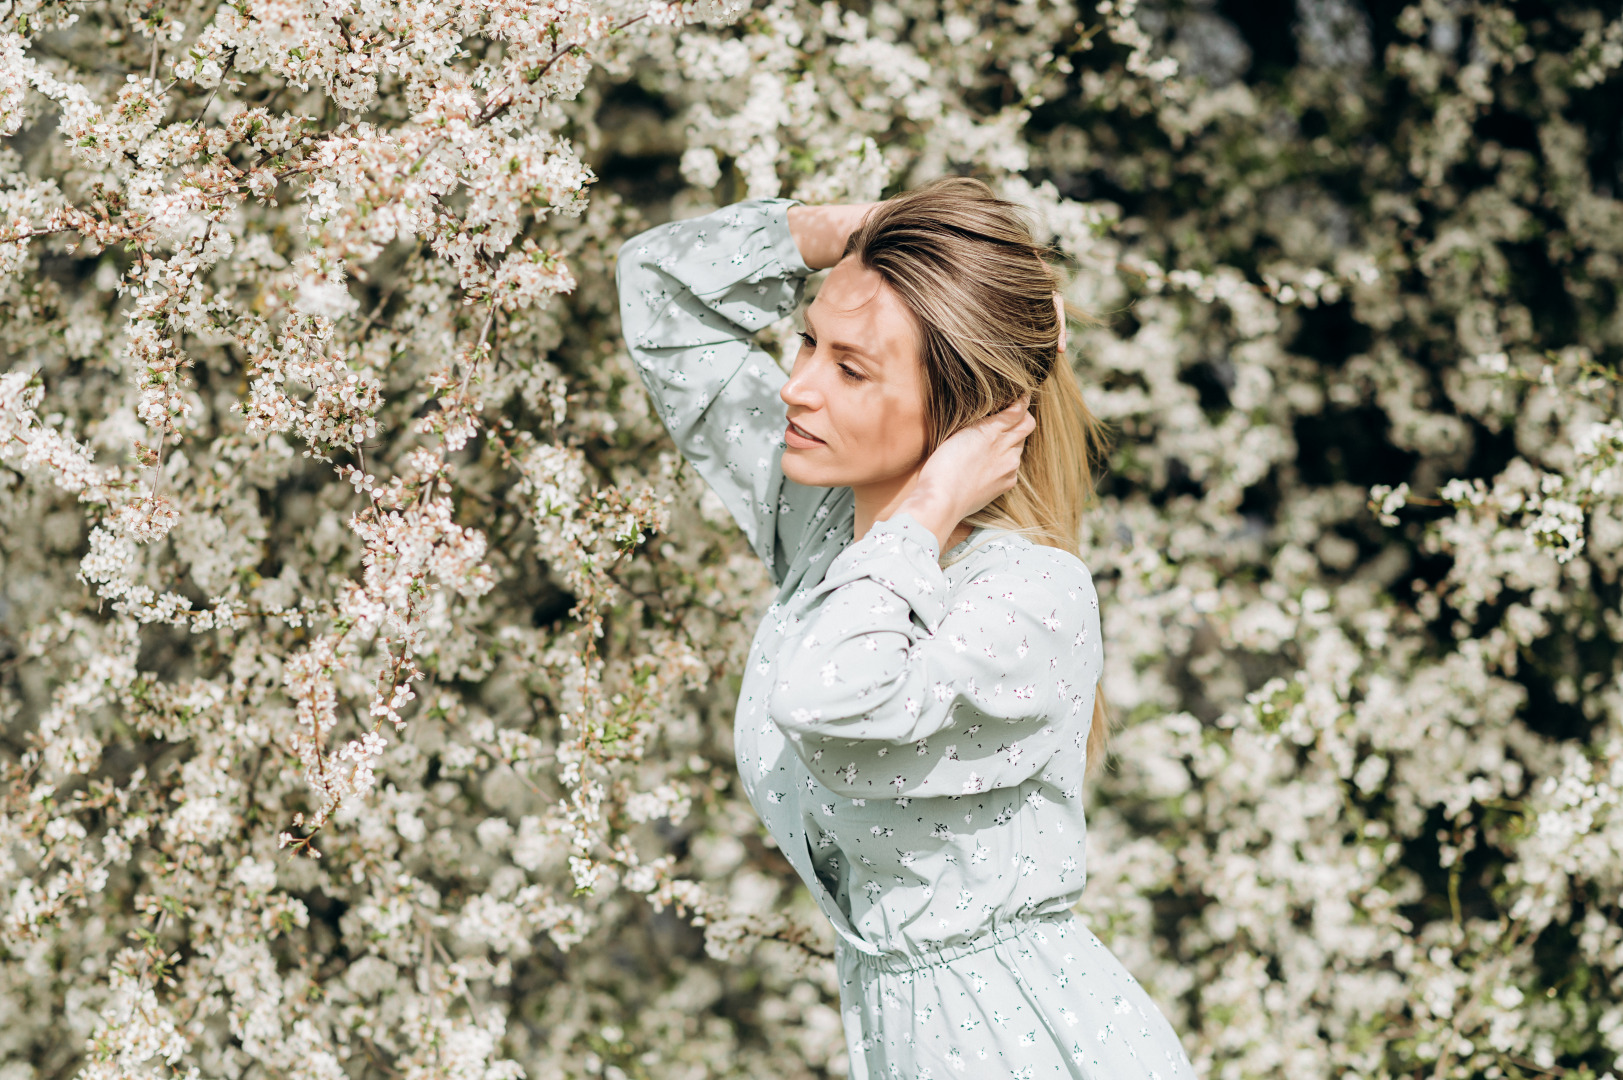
846, 371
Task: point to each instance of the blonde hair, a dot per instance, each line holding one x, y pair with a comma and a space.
966, 266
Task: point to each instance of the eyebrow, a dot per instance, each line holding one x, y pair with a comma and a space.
840, 345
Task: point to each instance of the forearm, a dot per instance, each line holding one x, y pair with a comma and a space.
820, 232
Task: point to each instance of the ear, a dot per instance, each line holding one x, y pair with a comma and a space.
1059, 309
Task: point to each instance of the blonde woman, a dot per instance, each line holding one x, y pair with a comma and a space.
921, 699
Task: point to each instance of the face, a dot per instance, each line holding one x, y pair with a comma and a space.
857, 386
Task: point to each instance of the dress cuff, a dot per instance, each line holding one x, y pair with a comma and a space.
783, 246
903, 556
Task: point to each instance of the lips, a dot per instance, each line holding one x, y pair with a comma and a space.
802, 432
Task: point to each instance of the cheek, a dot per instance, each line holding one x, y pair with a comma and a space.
883, 436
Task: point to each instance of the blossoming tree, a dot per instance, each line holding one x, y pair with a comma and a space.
366, 651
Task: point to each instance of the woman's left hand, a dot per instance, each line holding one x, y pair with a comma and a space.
970, 468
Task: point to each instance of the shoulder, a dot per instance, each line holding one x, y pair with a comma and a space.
1025, 573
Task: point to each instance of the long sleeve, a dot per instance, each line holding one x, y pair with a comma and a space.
898, 683
692, 295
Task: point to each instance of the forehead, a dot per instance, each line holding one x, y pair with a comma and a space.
856, 308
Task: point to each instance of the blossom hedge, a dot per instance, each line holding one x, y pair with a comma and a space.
367, 653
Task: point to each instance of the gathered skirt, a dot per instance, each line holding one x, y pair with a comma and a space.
1029, 999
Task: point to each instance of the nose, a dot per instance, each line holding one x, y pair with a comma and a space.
798, 389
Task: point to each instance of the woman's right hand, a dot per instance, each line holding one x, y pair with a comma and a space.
820, 232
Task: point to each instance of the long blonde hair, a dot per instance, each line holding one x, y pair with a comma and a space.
967, 267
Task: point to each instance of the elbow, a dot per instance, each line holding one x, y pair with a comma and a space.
625, 261
803, 703
797, 708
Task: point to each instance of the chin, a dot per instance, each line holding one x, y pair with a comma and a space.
809, 475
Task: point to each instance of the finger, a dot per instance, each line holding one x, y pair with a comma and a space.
1018, 409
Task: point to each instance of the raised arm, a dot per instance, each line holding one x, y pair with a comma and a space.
889, 688
692, 296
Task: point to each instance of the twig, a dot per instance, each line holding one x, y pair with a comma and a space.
484, 331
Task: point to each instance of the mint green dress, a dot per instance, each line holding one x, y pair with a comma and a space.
912, 736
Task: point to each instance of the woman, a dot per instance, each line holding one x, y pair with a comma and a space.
913, 732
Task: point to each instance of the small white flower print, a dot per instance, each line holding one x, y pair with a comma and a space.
973, 784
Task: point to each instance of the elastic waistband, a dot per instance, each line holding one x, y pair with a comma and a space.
934, 956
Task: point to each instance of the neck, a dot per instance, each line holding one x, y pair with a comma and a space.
880, 501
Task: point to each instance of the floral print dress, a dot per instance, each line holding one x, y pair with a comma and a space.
912, 736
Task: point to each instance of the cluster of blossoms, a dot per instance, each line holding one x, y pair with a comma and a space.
367, 654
